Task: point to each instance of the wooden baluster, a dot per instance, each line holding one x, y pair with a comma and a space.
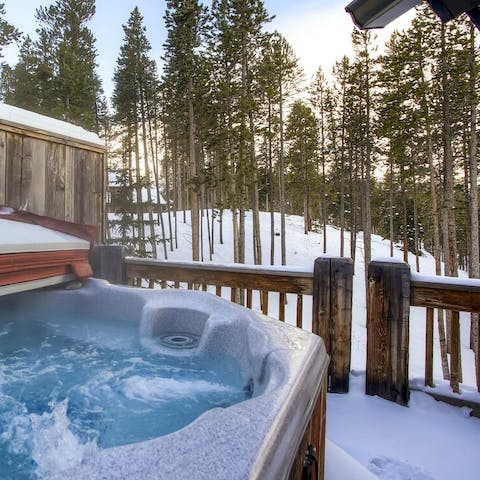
204, 287
233, 295
176, 285
218, 291
249, 299
164, 284
429, 348
281, 306
455, 353
264, 302
300, 311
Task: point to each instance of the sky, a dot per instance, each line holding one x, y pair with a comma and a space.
318, 30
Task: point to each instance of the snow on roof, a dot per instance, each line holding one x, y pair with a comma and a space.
20, 118
18, 237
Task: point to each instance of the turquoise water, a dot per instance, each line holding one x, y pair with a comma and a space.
71, 386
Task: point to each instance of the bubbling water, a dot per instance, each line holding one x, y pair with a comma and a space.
71, 386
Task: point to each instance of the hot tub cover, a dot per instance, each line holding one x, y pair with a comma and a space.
37, 251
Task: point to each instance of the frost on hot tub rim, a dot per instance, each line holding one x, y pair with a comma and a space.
256, 438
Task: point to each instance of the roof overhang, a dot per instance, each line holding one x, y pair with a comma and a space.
379, 13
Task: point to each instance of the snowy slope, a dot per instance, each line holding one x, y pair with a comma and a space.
426, 441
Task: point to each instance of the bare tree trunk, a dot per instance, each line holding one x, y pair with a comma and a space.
447, 267
209, 230
166, 173
282, 182
138, 181
270, 186
176, 193
192, 163
342, 196
473, 171
156, 171
415, 222
324, 206
241, 236
353, 212
437, 248
151, 222
455, 366
130, 172
213, 200
324, 187
404, 215
201, 206
367, 234
257, 241
235, 235
391, 208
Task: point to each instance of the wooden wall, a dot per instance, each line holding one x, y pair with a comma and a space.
53, 177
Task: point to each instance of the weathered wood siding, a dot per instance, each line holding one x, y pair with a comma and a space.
49, 176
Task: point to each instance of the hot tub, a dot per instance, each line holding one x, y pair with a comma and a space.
282, 368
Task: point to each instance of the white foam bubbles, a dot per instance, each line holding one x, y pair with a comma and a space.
158, 389
55, 447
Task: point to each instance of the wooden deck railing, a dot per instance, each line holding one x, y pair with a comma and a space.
329, 285
392, 290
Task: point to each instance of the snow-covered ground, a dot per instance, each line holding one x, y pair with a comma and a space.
369, 437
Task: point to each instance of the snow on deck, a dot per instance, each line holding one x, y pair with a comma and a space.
20, 118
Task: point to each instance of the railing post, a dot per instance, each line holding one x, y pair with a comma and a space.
388, 311
332, 316
341, 283
108, 263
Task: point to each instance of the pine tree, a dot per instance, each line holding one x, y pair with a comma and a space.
319, 98
282, 76
341, 74
302, 137
185, 21
22, 88
134, 86
68, 48
363, 44
8, 33
236, 43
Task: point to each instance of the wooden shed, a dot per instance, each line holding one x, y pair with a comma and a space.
52, 168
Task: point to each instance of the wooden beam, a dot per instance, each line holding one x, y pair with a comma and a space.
388, 311
341, 284
449, 296
108, 262
321, 300
222, 275
332, 317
